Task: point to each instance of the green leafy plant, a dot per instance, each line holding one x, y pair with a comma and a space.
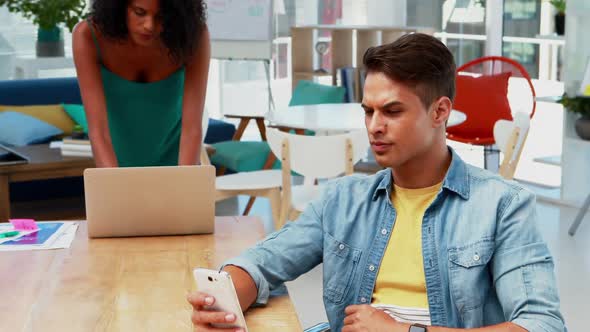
559, 5
48, 14
580, 105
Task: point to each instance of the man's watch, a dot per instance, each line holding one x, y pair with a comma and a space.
418, 328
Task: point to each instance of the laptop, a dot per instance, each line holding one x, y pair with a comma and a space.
9, 156
150, 201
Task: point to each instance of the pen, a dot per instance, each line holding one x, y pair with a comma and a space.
9, 234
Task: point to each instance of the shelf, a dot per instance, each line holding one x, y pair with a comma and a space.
362, 27
549, 160
310, 76
551, 37
347, 47
310, 73
548, 99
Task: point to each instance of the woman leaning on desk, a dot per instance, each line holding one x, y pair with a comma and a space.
142, 66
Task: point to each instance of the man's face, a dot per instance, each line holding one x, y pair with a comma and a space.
400, 128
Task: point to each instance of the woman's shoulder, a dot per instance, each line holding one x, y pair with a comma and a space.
82, 35
85, 43
87, 31
87, 37
82, 28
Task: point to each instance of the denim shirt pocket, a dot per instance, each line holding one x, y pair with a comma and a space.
469, 274
340, 263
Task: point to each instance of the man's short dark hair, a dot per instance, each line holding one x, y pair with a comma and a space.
418, 60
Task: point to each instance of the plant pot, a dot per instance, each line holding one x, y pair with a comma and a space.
583, 127
560, 24
50, 42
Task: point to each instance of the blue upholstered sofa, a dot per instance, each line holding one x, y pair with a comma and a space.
66, 90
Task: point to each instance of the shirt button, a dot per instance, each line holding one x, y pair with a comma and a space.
476, 257
363, 300
371, 268
384, 231
341, 247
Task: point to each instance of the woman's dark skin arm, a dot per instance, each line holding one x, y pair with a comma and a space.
91, 89
195, 89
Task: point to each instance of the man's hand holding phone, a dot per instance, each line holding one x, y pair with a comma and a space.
203, 318
215, 304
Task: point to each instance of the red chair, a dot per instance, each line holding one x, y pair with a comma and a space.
489, 89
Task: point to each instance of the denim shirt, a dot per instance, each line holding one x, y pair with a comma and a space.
484, 260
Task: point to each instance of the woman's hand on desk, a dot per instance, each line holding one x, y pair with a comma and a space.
202, 319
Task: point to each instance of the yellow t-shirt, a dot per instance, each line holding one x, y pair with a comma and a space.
400, 288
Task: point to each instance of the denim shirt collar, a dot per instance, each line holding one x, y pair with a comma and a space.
456, 180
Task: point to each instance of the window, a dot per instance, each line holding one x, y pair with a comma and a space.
17, 38
522, 18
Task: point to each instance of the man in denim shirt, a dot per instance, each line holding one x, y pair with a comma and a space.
428, 244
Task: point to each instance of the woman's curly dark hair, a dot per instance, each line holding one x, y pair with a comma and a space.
183, 22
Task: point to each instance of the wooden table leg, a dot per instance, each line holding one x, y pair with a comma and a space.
261, 128
4, 199
237, 136
241, 128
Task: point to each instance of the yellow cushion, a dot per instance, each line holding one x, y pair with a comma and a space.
52, 114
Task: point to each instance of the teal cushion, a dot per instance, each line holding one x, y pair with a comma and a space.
242, 156
19, 129
76, 112
309, 93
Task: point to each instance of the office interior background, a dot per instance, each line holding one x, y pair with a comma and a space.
554, 162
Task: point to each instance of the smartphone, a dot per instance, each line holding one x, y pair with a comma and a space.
219, 285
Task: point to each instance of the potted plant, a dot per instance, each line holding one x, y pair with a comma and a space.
580, 105
559, 16
49, 16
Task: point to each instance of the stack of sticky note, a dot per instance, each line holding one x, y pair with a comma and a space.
24, 224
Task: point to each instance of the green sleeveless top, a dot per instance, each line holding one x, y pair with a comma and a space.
145, 119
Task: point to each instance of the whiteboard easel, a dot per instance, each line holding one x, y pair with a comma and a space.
241, 30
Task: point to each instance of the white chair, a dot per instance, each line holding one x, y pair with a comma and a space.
314, 157
265, 183
510, 137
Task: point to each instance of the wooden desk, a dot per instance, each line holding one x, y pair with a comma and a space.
127, 284
44, 163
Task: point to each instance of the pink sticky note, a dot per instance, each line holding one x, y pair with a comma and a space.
24, 224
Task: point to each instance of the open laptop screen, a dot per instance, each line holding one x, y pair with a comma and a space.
9, 157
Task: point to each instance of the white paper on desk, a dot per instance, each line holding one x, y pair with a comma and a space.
10, 228
66, 238
62, 239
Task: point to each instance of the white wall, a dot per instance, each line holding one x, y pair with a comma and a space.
380, 12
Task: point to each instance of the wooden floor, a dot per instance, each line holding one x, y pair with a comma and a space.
54, 209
